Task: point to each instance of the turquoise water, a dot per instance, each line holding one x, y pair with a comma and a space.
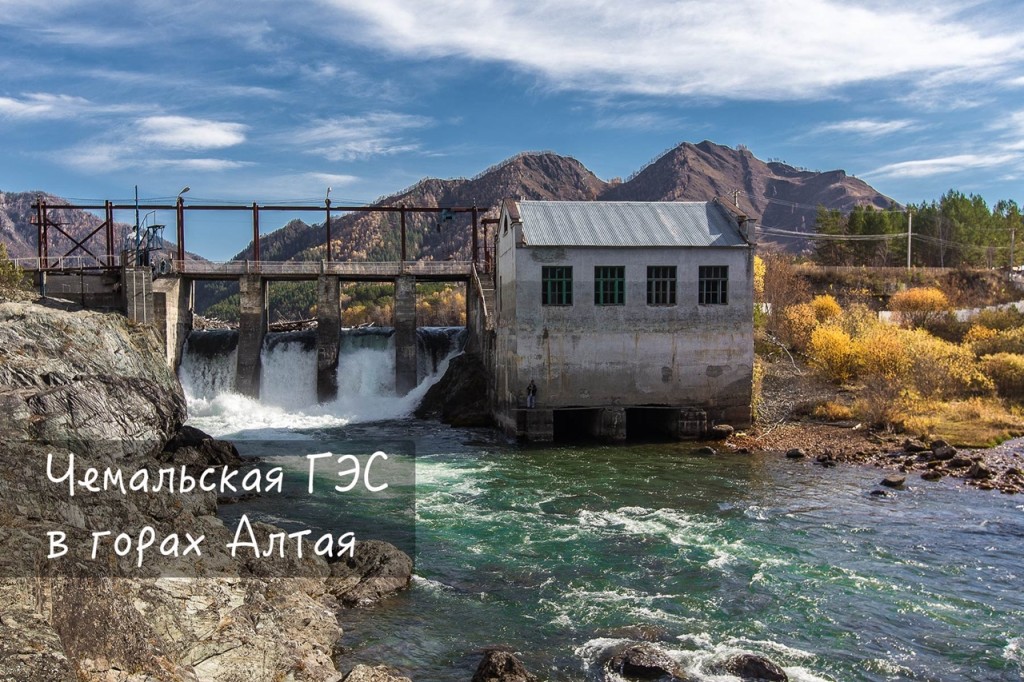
562, 552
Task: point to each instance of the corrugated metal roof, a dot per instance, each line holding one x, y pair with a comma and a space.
627, 223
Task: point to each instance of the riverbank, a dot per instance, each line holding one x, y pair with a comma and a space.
787, 427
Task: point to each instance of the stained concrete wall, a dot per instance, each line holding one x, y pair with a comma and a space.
252, 327
585, 355
405, 334
173, 303
328, 329
137, 288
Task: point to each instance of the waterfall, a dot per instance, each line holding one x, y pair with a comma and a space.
208, 363
288, 397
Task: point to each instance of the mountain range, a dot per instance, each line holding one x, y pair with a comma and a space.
775, 194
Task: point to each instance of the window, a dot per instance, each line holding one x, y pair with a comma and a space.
661, 285
609, 285
556, 285
714, 284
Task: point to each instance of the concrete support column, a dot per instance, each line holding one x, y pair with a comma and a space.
137, 286
405, 334
611, 424
172, 300
537, 425
252, 327
688, 423
328, 329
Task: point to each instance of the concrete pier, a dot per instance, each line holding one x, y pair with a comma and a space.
328, 328
173, 303
611, 424
252, 327
405, 334
137, 288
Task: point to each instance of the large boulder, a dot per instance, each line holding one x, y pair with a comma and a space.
194, 448
753, 667
377, 570
378, 673
501, 665
644, 661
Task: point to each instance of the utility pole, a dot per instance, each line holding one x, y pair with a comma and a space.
1013, 233
910, 232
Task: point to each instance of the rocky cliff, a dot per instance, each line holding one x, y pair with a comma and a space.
98, 387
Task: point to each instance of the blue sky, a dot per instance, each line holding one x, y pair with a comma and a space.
275, 101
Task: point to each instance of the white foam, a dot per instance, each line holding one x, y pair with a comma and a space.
366, 393
1014, 651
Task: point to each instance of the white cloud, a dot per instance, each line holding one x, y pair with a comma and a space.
182, 132
357, 137
49, 106
868, 127
637, 121
944, 165
745, 49
332, 179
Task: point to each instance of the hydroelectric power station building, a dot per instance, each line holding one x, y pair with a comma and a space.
625, 316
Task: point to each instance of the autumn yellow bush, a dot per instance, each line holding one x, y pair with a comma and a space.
832, 353
832, 411
985, 341
882, 354
940, 369
826, 308
1006, 370
795, 324
999, 319
919, 306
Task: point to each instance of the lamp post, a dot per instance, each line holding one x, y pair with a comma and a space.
180, 222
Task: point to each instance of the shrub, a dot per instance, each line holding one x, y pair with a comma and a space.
858, 319
882, 354
832, 353
881, 403
11, 276
832, 411
756, 395
999, 319
826, 308
943, 369
918, 306
984, 341
1007, 372
916, 361
795, 324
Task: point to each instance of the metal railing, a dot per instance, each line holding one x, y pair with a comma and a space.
64, 263
458, 269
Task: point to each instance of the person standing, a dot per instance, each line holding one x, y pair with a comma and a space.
531, 394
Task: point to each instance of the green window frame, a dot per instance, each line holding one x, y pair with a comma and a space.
609, 285
556, 285
661, 285
713, 283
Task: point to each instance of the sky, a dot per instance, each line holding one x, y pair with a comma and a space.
277, 101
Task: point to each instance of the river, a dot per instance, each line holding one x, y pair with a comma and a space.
564, 552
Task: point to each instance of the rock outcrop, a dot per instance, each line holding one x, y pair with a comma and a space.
96, 386
460, 397
376, 570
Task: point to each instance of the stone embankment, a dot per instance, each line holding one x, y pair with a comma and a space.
95, 386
